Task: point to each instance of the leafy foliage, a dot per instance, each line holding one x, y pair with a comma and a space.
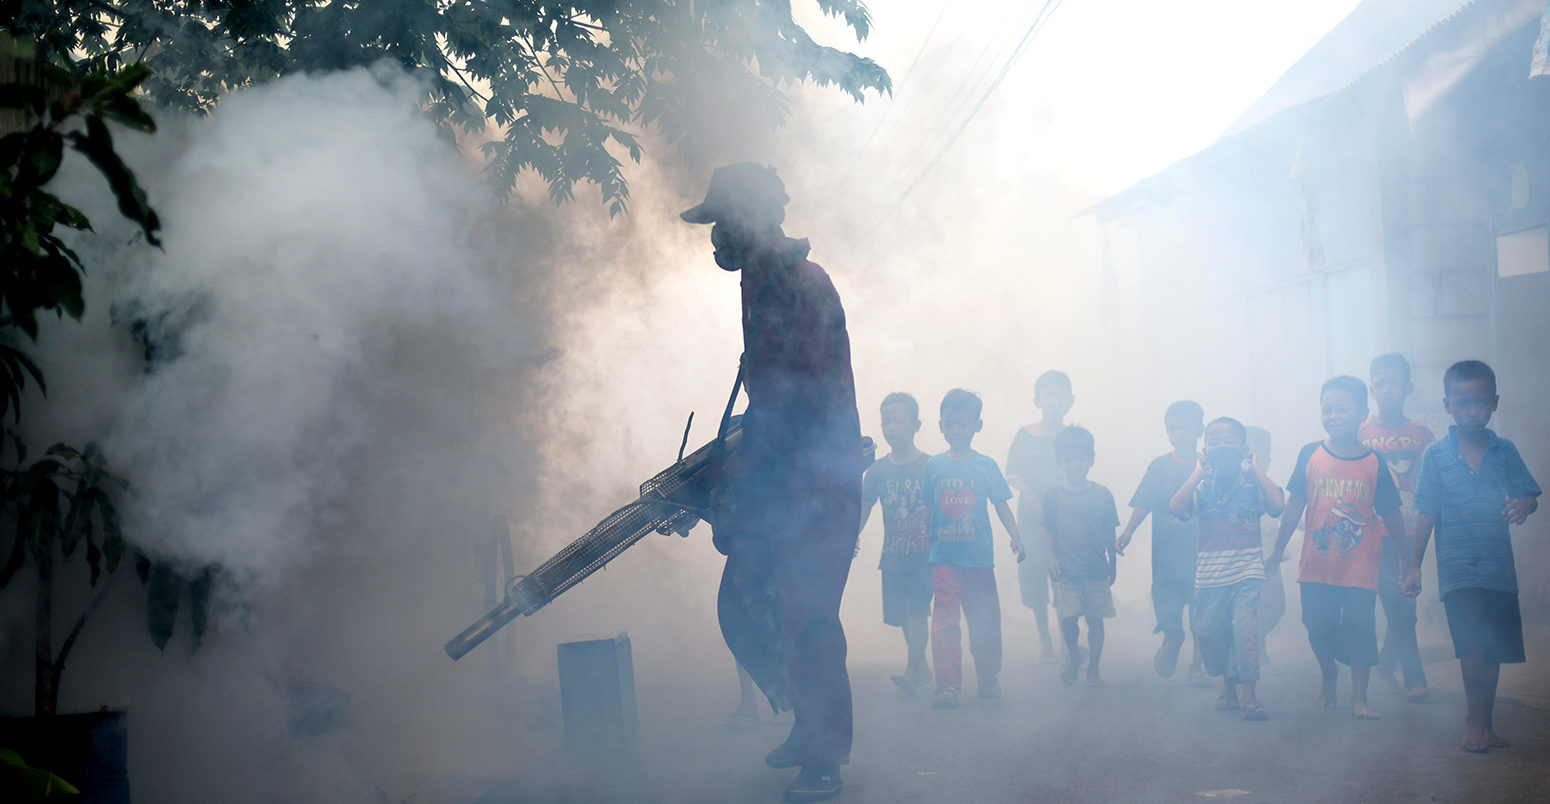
63, 500
567, 85
23, 783
42, 273
64, 503
567, 88
66, 500
166, 588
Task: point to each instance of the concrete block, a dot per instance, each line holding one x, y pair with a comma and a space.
597, 695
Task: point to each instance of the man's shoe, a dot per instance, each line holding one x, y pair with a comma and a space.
990, 689
815, 783
783, 755
946, 698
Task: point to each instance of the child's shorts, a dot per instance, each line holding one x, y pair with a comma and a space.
1342, 622
1033, 574
1487, 622
907, 587
1083, 599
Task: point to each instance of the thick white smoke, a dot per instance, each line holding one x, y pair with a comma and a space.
312, 225
327, 340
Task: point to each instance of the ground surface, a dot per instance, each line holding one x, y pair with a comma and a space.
1139, 739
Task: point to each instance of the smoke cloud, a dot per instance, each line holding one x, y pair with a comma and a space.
352, 368
304, 388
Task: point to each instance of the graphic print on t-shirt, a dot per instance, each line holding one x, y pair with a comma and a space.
960, 518
1343, 529
1338, 504
956, 501
1346, 498
900, 490
1401, 449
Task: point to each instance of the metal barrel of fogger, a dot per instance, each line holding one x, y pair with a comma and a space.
567, 568
522, 598
661, 507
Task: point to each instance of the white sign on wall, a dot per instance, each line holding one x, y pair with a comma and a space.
1525, 252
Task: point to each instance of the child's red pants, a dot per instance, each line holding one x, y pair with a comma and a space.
971, 590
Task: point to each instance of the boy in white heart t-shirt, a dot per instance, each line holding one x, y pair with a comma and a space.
958, 485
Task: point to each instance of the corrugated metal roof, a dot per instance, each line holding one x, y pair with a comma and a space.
1358, 47
1372, 34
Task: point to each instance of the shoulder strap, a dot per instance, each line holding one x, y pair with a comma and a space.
726, 416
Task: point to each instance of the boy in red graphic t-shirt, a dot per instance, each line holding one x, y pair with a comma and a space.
1345, 488
1400, 440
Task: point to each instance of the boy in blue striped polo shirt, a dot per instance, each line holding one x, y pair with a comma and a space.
1229, 492
1472, 487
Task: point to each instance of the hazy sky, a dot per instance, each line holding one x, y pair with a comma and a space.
1108, 91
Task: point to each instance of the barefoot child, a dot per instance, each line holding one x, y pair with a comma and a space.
959, 484
897, 481
1401, 441
1345, 488
1473, 485
1173, 539
1032, 472
1079, 525
1230, 492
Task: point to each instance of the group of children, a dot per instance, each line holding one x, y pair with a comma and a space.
1372, 494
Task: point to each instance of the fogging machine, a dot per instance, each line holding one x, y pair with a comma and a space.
672, 501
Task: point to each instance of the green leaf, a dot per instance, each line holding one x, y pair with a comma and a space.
73, 218
97, 145
40, 515
65, 292
112, 537
29, 238
199, 602
93, 556
63, 450
27, 783
161, 602
77, 519
43, 159
112, 548
44, 467
15, 367
127, 111
484, 62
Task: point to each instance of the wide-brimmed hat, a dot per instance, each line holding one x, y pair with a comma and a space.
744, 191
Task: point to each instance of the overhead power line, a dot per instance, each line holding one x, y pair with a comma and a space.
1045, 12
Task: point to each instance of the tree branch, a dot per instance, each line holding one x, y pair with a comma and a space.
589, 26
462, 78
543, 68
102, 593
106, 7
13, 562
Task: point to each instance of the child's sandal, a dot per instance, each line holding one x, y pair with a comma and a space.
1254, 710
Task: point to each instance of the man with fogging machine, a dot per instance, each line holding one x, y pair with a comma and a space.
788, 511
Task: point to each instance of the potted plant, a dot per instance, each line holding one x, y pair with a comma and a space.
61, 504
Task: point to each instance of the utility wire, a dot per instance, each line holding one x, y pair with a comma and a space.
968, 87
1045, 13
903, 82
